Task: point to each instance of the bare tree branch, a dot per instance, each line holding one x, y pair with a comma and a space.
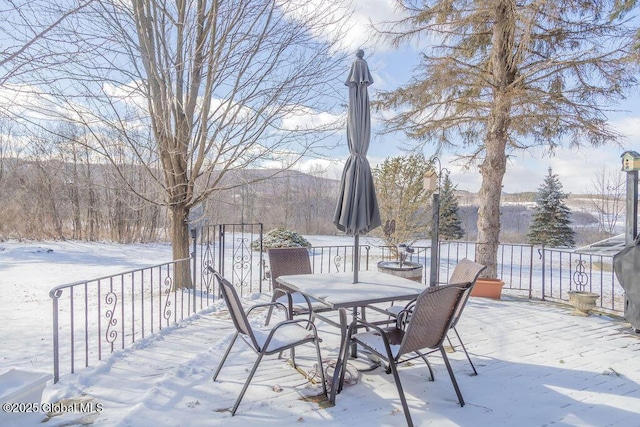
192, 90
22, 21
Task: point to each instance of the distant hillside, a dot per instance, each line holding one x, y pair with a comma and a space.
306, 203
53, 199
291, 199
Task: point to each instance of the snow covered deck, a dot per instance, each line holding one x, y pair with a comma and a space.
538, 365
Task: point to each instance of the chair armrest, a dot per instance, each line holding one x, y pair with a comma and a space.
376, 328
407, 307
310, 326
306, 322
402, 318
366, 324
290, 301
269, 304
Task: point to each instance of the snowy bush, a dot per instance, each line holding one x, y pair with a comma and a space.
280, 238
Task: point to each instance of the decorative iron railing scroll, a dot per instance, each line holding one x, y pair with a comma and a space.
96, 317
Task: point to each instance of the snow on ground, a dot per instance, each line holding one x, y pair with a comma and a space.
28, 270
538, 364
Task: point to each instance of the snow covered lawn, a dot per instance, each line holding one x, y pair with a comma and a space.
537, 364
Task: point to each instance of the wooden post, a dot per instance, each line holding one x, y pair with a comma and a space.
433, 279
631, 221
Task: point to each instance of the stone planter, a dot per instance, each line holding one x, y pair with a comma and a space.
582, 302
409, 270
487, 288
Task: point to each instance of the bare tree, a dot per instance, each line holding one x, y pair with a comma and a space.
46, 187
194, 89
9, 163
27, 28
506, 75
8, 150
607, 194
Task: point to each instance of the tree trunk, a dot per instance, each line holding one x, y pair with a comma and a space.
93, 223
75, 199
492, 169
494, 165
180, 246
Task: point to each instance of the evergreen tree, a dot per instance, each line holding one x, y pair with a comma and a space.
550, 225
450, 227
502, 75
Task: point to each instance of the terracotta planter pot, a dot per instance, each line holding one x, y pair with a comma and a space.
487, 288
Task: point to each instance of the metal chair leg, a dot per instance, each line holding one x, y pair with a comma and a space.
343, 356
423, 357
246, 384
270, 311
450, 343
465, 352
274, 297
452, 376
320, 367
403, 399
224, 358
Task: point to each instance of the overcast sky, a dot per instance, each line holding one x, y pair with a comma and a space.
525, 171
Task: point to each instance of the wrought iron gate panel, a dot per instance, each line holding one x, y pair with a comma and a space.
227, 249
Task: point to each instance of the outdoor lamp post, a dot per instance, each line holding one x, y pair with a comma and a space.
431, 183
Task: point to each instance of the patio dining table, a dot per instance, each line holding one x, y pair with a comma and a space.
338, 292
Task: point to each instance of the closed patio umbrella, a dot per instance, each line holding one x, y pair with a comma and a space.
357, 209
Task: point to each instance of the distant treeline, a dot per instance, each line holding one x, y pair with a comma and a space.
56, 200
61, 200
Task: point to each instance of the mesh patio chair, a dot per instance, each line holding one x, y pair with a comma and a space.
465, 271
265, 341
420, 331
286, 261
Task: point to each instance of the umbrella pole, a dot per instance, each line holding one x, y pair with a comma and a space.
356, 258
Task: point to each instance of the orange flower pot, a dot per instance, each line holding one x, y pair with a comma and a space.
487, 288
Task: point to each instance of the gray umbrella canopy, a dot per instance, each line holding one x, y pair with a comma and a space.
357, 209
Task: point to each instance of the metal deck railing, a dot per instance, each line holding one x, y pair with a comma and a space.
96, 317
